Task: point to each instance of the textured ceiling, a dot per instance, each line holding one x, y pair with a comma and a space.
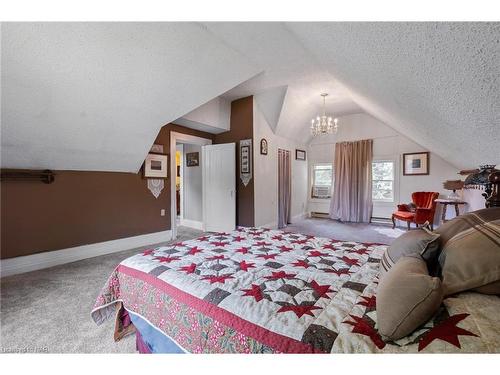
93, 96
285, 62
438, 83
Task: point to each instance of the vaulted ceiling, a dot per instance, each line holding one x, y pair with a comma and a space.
92, 96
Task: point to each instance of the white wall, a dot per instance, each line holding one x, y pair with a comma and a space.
213, 116
192, 185
266, 174
387, 145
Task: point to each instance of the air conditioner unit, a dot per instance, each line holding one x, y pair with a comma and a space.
321, 192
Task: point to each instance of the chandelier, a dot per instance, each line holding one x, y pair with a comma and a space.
324, 124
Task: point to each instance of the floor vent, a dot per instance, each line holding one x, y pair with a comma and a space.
323, 215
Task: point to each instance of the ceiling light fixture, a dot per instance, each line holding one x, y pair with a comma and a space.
324, 124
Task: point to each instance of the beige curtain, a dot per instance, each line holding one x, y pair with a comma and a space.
352, 194
284, 188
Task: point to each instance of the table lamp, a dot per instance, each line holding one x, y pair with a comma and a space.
453, 185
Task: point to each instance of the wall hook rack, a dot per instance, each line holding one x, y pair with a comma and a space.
46, 176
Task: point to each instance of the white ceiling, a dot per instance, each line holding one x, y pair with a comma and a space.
437, 83
285, 62
93, 96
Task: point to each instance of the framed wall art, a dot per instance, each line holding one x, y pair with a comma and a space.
416, 164
245, 161
192, 159
156, 166
263, 146
300, 154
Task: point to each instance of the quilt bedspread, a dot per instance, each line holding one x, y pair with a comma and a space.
257, 290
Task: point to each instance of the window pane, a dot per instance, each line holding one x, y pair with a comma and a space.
383, 180
322, 175
382, 190
383, 170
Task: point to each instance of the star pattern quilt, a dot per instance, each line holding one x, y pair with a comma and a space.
257, 290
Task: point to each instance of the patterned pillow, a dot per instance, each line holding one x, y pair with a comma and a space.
421, 243
471, 258
463, 222
407, 297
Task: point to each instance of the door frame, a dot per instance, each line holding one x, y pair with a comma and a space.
181, 138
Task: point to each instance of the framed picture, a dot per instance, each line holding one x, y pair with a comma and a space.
263, 146
192, 159
416, 163
245, 159
156, 166
300, 155
245, 153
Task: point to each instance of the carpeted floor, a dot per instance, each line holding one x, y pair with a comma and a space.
49, 310
358, 232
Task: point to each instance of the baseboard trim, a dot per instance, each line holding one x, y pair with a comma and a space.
17, 265
191, 224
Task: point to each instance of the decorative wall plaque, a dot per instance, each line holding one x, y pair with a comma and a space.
156, 185
246, 161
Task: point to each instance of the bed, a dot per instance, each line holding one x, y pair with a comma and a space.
257, 290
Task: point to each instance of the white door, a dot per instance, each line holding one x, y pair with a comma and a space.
219, 191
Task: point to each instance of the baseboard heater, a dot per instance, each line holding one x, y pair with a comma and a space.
381, 220
323, 215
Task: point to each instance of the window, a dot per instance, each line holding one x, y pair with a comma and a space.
322, 177
383, 181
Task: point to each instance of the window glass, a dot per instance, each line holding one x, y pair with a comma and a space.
322, 176
383, 181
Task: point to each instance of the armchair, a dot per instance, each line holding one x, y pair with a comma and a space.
422, 209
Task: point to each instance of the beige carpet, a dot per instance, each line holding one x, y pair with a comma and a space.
49, 310
358, 232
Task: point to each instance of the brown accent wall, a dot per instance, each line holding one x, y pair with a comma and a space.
82, 208
241, 128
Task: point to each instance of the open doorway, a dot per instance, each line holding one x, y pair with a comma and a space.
179, 154
186, 187
189, 193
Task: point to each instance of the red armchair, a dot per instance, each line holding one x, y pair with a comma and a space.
425, 207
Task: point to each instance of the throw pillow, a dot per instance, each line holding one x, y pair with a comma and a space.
471, 258
407, 297
420, 243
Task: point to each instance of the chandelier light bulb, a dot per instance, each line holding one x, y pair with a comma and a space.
324, 124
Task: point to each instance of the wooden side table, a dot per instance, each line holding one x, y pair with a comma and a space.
446, 203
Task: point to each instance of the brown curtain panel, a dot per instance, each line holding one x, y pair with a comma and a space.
284, 188
352, 194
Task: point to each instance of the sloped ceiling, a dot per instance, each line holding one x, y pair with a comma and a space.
270, 103
93, 96
285, 62
438, 83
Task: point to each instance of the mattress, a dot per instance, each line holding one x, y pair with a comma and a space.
257, 290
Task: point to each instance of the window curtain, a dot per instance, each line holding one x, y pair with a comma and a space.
284, 188
352, 194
